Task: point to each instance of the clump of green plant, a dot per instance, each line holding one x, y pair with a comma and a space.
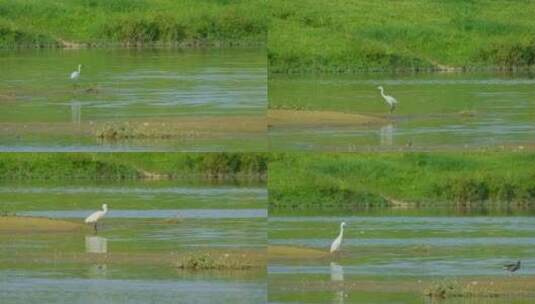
239, 167
5, 212
289, 107
117, 131
140, 29
469, 181
510, 55
444, 289
53, 166
11, 36
211, 262
342, 36
327, 196
132, 22
219, 165
467, 191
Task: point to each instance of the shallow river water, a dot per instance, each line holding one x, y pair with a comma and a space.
392, 258
436, 111
148, 224
43, 110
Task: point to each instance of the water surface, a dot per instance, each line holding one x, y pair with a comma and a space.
133, 256
436, 111
382, 254
43, 110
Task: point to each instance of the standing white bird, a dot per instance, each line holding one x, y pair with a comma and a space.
391, 101
96, 216
76, 74
338, 241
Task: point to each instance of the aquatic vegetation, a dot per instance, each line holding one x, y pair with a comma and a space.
289, 107
444, 289
117, 131
215, 262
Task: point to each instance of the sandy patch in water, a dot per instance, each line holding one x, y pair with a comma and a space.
278, 118
26, 224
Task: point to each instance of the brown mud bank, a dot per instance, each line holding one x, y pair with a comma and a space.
161, 128
181, 128
473, 287
232, 259
26, 224
290, 252
305, 118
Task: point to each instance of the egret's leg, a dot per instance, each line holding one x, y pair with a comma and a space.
95, 226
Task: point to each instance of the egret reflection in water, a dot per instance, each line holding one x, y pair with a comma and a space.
96, 244
337, 275
76, 112
337, 272
97, 271
339, 297
386, 135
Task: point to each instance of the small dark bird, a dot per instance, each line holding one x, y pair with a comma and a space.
512, 267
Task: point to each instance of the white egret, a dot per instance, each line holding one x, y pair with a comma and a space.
96, 216
391, 101
338, 241
76, 74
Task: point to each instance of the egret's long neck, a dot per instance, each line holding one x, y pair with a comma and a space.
382, 92
341, 232
105, 209
79, 68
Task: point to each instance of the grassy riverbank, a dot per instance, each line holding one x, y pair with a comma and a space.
125, 166
347, 36
49, 23
402, 180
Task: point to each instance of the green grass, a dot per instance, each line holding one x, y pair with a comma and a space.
133, 22
131, 166
357, 181
351, 35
